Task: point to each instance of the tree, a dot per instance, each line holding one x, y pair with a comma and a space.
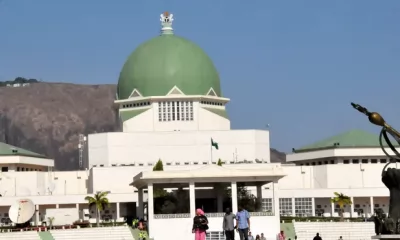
341, 200
159, 166
159, 192
246, 199
219, 162
100, 201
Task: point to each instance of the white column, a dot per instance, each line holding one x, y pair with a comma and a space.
332, 209
57, 206
313, 207
37, 215
77, 206
259, 197
293, 208
117, 211
352, 207
371, 199
150, 207
234, 197
192, 199
140, 210
275, 189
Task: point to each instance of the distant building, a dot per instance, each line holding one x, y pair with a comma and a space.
18, 84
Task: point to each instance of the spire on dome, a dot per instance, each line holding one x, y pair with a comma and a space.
166, 22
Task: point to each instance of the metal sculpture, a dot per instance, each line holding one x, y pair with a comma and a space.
390, 176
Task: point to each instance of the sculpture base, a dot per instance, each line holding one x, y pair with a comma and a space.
384, 237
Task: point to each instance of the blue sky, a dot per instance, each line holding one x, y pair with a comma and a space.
296, 64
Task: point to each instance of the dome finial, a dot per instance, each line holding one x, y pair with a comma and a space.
166, 22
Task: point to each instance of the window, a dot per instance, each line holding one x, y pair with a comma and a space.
134, 105
175, 111
374, 160
364, 160
212, 103
356, 161
303, 207
214, 235
346, 161
285, 206
266, 204
383, 160
4, 169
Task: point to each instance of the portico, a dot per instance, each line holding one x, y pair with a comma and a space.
208, 177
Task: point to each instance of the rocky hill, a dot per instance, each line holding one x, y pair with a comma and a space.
47, 118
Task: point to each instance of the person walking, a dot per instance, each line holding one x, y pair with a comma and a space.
250, 237
243, 223
281, 235
262, 237
317, 237
200, 225
228, 225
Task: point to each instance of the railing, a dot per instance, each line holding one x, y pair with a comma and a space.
169, 216
209, 215
259, 214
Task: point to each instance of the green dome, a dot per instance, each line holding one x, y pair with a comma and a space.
163, 62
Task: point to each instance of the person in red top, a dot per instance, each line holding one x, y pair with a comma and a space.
281, 236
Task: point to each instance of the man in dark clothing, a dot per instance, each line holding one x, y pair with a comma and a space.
228, 224
317, 237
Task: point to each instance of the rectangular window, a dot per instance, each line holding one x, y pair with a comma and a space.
178, 117
191, 111
303, 207
182, 111
266, 204
169, 111
4, 169
285, 206
164, 110
173, 111
159, 112
187, 111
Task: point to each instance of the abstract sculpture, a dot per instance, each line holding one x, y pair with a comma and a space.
390, 176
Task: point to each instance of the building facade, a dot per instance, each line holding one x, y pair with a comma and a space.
171, 108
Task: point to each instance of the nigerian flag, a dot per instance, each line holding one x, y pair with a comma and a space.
214, 144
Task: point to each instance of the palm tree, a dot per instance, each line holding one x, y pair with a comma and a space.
341, 200
100, 201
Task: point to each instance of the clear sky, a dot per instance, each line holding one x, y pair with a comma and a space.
295, 65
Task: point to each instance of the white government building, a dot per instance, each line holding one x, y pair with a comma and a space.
171, 106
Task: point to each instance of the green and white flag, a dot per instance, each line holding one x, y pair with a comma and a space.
214, 144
